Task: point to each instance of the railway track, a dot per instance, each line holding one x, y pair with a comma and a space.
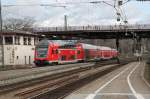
14, 86
37, 88
6, 85
48, 90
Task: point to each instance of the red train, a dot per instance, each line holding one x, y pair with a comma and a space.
60, 52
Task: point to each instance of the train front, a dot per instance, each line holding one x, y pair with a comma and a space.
41, 53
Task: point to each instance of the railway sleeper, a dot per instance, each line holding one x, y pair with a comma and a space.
70, 83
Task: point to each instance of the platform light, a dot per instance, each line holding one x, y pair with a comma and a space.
125, 21
42, 35
126, 34
54, 36
118, 19
118, 13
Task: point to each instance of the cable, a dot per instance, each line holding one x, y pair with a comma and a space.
57, 4
126, 2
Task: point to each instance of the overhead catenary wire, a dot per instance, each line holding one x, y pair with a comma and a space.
122, 15
57, 3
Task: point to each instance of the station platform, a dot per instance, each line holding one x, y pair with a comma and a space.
13, 76
126, 82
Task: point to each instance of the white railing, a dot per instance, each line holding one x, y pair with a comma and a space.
92, 28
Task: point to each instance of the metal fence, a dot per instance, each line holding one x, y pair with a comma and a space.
94, 27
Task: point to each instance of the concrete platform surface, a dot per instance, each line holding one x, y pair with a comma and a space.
12, 76
124, 83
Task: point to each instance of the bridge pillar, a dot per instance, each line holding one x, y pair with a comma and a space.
117, 44
118, 47
139, 45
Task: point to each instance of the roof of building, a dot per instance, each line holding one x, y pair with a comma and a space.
17, 32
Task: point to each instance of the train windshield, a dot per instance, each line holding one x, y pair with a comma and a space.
42, 49
41, 52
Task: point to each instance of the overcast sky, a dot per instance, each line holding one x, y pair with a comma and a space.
78, 14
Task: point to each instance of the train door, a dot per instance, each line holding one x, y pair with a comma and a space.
67, 55
79, 53
86, 55
102, 54
62, 56
54, 55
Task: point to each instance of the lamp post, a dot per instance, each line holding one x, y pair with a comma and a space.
1, 23
65, 22
1, 35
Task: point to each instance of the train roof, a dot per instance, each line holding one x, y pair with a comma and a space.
89, 46
105, 48
66, 44
114, 49
60, 43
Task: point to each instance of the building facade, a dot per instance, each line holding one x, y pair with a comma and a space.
17, 48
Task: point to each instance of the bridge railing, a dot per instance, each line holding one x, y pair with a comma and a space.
92, 28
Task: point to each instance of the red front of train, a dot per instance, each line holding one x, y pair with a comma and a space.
54, 52
60, 52
46, 52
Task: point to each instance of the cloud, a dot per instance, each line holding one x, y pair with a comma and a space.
78, 14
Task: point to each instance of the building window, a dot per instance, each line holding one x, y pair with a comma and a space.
1, 40
17, 40
8, 40
29, 41
29, 59
17, 57
34, 41
25, 41
25, 59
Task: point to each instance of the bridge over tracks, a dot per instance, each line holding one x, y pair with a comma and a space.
96, 31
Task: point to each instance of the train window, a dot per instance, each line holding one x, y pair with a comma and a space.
73, 57
8, 40
42, 52
56, 51
52, 51
78, 52
63, 57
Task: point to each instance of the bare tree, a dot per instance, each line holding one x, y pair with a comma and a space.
18, 24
